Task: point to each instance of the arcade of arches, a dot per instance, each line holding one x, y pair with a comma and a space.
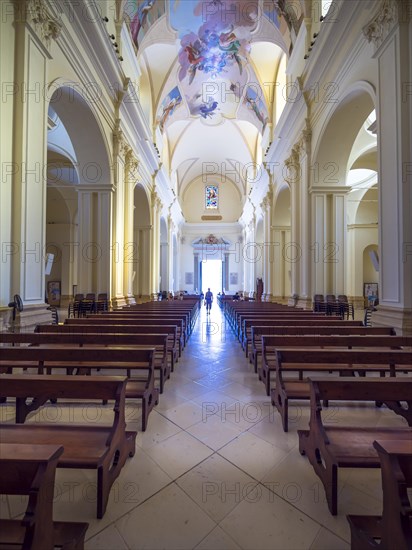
116, 116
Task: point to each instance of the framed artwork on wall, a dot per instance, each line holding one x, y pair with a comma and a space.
233, 279
188, 278
370, 292
54, 293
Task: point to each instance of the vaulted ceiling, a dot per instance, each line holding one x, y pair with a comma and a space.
209, 73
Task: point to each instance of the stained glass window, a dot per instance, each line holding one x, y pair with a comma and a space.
212, 197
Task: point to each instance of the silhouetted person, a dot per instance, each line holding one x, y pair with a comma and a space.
208, 301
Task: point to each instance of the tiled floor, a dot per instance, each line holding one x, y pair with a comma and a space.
214, 470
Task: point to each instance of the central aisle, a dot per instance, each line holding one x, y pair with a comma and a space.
215, 470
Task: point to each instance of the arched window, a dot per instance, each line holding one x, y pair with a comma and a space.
211, 197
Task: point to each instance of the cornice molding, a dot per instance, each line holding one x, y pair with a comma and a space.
378, 29
36, 14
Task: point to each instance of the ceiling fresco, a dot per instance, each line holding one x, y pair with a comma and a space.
208, 73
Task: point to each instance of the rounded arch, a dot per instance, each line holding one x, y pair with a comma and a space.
333, 147
76, 111
141, 203
281, 207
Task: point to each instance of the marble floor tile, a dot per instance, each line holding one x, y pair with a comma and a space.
108, 539
178, 454
252, 454
169, 520
217, 540
214, 469
214, 432
264, 521
184, 415
216, 486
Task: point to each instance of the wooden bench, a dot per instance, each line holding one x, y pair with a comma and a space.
30, 470
270, 343
119, 322
248, 322
331, 447
295, 321
88, 446
156, 341
394, 528
80, 360
182, 320
258, 331
255, 315
343, 361
170, 330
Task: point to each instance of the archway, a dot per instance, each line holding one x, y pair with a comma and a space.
344, 144
78, 188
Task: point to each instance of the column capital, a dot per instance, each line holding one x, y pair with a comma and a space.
390, 13
132, 163
36, 14
305, 141
293, 166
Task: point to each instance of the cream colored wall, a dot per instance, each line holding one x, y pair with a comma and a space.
193, 202
7, 40
229, 232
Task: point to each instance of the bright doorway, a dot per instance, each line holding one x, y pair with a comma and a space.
212, 276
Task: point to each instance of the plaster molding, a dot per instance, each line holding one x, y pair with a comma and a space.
378, 29
37, 15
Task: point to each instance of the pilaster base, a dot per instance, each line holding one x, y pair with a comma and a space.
130, 300
399, 319
154, 297
305, 303
26, 320
279, 300
119, 301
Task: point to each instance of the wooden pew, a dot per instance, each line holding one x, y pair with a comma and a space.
81, 360
270, 343
191, 307
119, 322
98, 446
247, 322
156, 341
329, 447
258, 331
304, 360
392, 530
30, 470
181, 319
170, 330
296, 321
243, 316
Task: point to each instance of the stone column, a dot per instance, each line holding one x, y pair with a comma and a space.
292, 249
23, 230
155, 245
130, 244
170, 255
95, 239
120, 151
196, 273
267, 245
250, 252
391, 33
305, 298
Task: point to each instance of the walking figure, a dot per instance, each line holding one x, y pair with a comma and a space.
208, 301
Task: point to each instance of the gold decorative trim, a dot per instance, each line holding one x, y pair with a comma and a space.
211, 218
